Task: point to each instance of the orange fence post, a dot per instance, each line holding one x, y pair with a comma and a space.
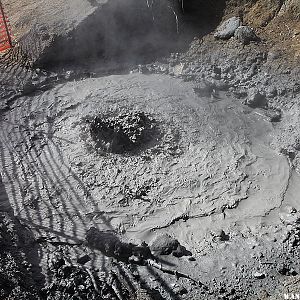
5, 32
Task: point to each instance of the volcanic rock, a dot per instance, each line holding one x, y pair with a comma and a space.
227, 29
164, 245
256, 98
245, 35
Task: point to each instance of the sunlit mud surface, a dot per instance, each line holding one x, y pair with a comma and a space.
208, 166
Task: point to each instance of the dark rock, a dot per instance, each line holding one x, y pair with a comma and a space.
180, 291
283, 269
275, 116
293, 272
227, 29
255, 98
217, 70
181, 251
245, 35
83, 259
223, 236
290, 153
164, 245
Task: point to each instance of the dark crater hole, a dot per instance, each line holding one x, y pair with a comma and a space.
126, 132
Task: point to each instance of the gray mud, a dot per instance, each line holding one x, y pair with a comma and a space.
176, 179
211, 173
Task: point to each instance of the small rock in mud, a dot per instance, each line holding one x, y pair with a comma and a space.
290, 153
255, 98
83, 259
122, 133
227, 29
245, 35
259, 275
164, 245
271, 92
220, 235
180, 290
289, 216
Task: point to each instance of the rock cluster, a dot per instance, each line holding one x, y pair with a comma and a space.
234, 27
245, 35
227, 29
72, 281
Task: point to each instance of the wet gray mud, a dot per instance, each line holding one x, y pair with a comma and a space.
209, 177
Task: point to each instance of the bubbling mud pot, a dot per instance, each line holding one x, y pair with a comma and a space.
123, 133
211, 177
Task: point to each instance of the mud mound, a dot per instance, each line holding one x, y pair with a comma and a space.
122, 133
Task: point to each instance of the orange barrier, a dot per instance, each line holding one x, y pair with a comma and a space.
5, 31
